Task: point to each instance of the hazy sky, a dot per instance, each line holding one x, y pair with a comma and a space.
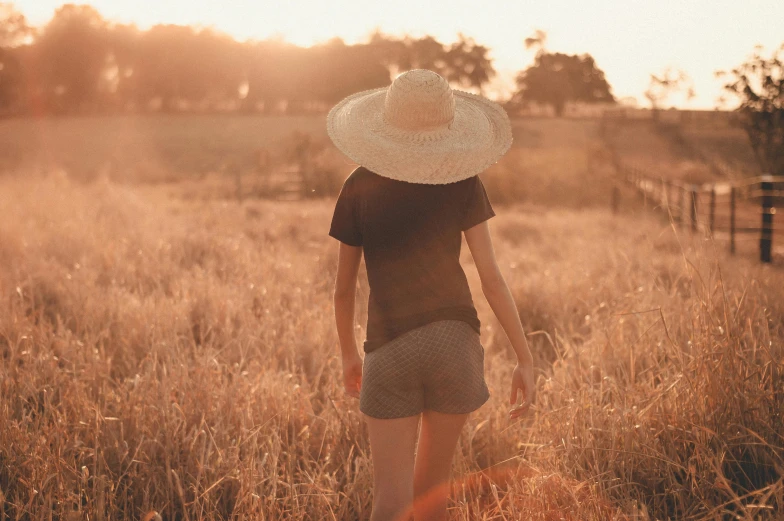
629, 39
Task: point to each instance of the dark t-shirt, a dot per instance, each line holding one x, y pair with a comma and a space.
411, 237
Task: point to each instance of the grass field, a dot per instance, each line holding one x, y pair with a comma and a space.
164, 350
140, 148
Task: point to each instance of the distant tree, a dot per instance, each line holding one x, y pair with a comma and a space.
275, 74
463, 63
72, 54
661, 87
424, 53
337, 70
11, 80
467, 63
14, 30
759, 84
182, 67
556, 78
390, 52
536, 40
221, 60
81, 62
123, 56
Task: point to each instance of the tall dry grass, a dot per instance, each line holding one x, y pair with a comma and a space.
179, 356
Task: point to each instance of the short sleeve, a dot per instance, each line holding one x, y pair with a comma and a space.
477, 207
345, 220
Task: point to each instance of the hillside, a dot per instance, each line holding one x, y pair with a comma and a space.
551, 156
683, 151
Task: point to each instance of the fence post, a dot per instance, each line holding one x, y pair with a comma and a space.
732, 219
712, 209
693, 207
766, 233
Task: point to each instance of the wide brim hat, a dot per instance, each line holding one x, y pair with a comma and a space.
420, 130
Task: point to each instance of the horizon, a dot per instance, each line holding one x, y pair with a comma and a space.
699, 38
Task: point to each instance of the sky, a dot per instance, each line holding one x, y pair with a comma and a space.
629, 39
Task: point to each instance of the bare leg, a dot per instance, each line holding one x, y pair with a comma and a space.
437, 441
392, 446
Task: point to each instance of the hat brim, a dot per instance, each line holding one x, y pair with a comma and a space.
477, 137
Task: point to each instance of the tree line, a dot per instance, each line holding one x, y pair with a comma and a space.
81, 62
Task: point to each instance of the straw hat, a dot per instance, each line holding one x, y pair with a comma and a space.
419, 130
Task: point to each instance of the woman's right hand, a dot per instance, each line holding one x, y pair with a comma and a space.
522, 383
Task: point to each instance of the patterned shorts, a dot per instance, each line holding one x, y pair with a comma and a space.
438, 366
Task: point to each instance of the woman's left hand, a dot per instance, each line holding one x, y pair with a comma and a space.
352, 375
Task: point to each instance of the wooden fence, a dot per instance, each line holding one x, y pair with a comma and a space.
741, 208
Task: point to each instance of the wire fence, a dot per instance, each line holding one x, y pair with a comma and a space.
744, 209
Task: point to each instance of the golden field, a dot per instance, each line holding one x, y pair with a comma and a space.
164, 347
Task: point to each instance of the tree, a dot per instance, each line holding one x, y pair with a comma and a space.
336, 70
536, 40
390, 52
557, 78
123, 56
275, 73
660, 88
424, 53
14, 30
759, 84
72, 54
463, 63
467, 63
182, 67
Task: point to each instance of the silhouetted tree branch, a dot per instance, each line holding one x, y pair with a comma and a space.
759, 84
662, 87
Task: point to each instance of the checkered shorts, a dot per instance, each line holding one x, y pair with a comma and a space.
438, 366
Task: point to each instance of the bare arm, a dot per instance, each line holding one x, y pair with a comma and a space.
496, 290
344, 299
500, 299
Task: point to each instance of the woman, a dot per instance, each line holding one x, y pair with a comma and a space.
421, 146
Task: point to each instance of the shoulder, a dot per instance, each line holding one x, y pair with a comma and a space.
357, 176
363, 180
469, 184
361, 174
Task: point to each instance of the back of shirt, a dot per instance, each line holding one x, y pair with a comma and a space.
411, 237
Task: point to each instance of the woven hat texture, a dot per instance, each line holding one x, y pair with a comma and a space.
420, 130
